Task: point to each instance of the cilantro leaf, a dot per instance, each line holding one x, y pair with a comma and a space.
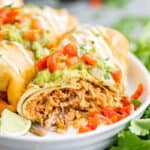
136, 102
130, 141
140, 127
147, 113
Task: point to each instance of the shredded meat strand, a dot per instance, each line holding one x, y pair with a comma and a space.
57, 109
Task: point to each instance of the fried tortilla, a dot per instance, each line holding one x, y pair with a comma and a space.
66, 97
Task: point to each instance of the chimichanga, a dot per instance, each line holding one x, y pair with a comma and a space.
37, 29
84, 74
17, 70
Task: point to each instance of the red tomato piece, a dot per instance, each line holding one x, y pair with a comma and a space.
116, 75
108, 112
96, 3
138, 91
36, 24
11, 15
53, 63
125, 101
31, 35
94, 113
2, 36
84, 129
93, 122
88, 60
50, 46
70, 50
111, 113
3, 12
42, 63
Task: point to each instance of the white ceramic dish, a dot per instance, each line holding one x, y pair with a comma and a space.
96, 140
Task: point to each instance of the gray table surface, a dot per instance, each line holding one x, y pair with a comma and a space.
104, 16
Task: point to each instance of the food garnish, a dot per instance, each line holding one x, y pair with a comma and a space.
13, 124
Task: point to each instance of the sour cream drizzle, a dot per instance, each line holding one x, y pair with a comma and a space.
85, 34
56, 21
21, 49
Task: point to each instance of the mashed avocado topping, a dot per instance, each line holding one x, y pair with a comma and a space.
79, 71
61, 77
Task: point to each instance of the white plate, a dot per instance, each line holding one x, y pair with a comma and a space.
96, 140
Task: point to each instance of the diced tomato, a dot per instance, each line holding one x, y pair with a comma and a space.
84, 129
88, 60
35, 23
116, 75
2, 36
110, 113
8, 15
102, 119
93, 122
11, 15
96, 3
72, 61
3, 12
125, 101
124, 111
138, 92
31, 35
42, 63
53, 63
94, 113
70, 50
50, 46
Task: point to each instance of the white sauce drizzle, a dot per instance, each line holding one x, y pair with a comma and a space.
21, 49
85, 34
11, 64
57, 22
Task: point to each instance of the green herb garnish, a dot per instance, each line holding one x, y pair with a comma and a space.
107, 70
42, 7
97, 35
136, 102
9, 6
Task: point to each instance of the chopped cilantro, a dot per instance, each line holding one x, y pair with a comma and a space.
107, 70
41, 7
92, 42
9, 6
97, 35
136, 102
147, 113
82, 49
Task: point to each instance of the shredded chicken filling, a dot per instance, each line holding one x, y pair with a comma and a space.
57, 109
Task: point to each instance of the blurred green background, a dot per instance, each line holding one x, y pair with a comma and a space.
131, 17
